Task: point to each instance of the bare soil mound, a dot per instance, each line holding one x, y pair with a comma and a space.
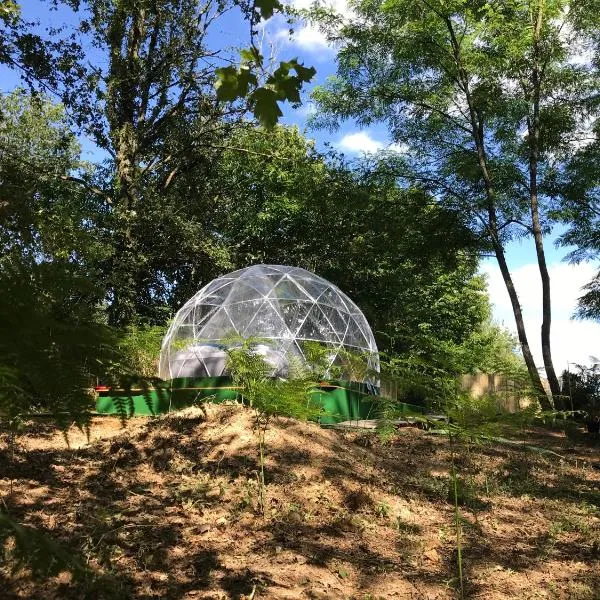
168, 508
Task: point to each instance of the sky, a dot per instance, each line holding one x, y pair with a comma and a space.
572, 341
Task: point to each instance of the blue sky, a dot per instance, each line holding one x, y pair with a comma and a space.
572, 341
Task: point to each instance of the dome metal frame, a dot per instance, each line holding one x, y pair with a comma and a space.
282, 305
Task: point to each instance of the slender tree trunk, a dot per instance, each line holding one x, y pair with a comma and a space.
533, 125
477, 132
525, 348
546, 300
126, 261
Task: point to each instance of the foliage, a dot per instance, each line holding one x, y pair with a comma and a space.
422, 295
492, 349
407, 262
36, 550
28, 52
8, 10
61, 346
53, 342
349, 364
269, 397
419, 381
43, 212
483, 418
53, 293
589, 302
153, 111
263, 211
234, 83
263, 90
139, 348
473, 420
51, 204
583, 389
152, 108
577, 188
428, 374
318, 356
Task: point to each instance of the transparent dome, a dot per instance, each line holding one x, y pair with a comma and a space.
288, 307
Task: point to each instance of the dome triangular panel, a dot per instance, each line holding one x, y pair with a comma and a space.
287, 305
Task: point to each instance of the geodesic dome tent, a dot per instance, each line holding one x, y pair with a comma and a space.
285, 306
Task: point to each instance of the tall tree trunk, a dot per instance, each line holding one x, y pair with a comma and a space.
527, 355
477, 132
533, 126
123, 114
546, 300
126, 261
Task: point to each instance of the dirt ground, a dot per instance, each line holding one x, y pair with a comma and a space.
168, 508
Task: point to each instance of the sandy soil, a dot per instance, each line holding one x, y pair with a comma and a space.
168, 508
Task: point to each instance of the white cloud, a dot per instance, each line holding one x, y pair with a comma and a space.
359, 142
399, 148
572, 341
340, 6
308, 36
306, 110
362, 142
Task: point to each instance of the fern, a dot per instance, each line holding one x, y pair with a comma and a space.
44, 556
62, 344
270, 397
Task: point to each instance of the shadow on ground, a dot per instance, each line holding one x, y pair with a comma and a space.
172, 512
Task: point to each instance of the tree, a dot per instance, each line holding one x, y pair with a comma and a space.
582, 387
486, 96
408, 262
53, 342
148, 100
23, 48
8, 10
9, 14
577, 189
149, 108
44, 210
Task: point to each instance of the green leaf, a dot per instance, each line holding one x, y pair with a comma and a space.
342, 573
288, 88
305, 74
266, 8
251, 55
266, 109
233, 83
9, 10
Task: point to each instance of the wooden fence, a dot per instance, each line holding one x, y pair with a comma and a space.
510, 393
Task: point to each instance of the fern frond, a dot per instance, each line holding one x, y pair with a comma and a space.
36, 550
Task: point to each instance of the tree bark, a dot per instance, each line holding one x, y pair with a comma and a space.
123, 113
527, 355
